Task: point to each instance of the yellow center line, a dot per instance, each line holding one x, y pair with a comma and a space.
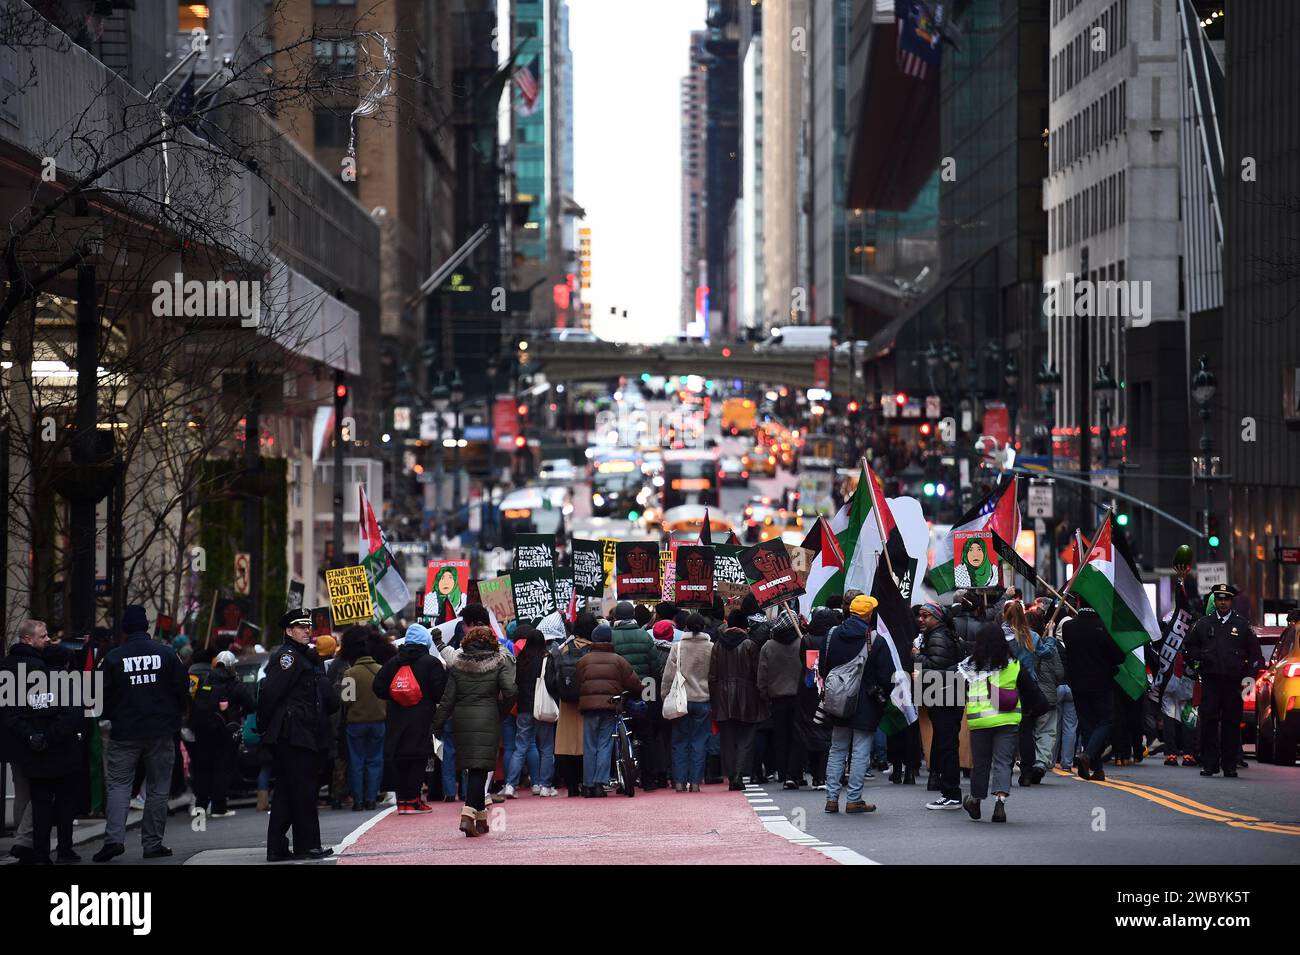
1190, 807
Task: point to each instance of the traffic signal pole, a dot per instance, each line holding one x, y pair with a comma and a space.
340, 403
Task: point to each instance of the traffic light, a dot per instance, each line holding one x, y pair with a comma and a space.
341, 392
1121, 519
1212, 531
520, 441
928, 489
926, 429
523, 411
853, 407
726, 353
900, 399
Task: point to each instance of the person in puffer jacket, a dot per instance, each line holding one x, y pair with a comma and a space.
738, 707
408, 743
940, 652
780, 668
602, 675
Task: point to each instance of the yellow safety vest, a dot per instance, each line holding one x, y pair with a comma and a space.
982, 705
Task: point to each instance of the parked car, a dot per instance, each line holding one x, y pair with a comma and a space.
1277, 703
557, 471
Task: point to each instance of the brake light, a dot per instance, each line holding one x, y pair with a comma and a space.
745, 475
1292, 670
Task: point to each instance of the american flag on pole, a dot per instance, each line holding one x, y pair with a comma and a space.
920, 44
528, 79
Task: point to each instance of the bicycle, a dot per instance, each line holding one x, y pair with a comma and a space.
626, 764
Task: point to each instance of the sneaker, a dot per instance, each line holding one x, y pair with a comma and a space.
944, 804
507, 792
790, 784
137, 803
868, 774
1189, 760
972, 806
405, 807
1171, 760
821, 786
679, 787
221, 815
539, 790
1000, 811
421, 806
552, 791
692, 787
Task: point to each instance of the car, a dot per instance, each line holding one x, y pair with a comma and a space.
557, 471
1268, 639
618, 494
683, 523
732, 471
760, 462
572, 335
1277, 702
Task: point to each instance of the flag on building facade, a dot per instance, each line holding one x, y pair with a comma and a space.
920, 42
528, 80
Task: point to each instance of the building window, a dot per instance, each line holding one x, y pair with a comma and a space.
335, 57
332, 130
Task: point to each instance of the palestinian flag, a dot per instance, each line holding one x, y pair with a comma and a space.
1075, 551
388, 591
894, 622
879, 526
997, 512
706, 531
827, 560
1109, 581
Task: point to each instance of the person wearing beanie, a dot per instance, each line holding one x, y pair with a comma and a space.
146, 692
480, 690
325, 646
293, 710
634, 644
568, 731
407, 741
642, 615
665, 630
736, 704
601, 674
692, 656
815, 733
939, 652
220, 703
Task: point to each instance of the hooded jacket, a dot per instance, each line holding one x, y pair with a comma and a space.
780, 664
45, 739
843, 644
692, 654
733, 679
602, 673
221, 684
407, 728
637, 646
146, 690
480, 691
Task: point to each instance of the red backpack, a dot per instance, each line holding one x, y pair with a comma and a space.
405, 688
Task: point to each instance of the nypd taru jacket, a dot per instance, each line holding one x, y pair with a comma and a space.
146, 689
296, 699
1227, 647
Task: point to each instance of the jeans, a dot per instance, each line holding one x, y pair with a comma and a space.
844, 739
1044, 740
448, 738
264, 776
1068, 725
597, 746
1095, 714
158, 753
690, 737
527, 730
365, 760
993, 750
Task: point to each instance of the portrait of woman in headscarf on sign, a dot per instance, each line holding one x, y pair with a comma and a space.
445, 590
976, 564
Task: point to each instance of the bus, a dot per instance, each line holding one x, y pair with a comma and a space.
533, 510
690, 477
739, 416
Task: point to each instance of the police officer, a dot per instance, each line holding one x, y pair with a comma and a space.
292, 716
1222, 650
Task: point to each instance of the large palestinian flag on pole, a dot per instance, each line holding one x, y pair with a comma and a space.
827, 560
388, 591
846, 525
894, 622
997, 512
1109, 581
879, 530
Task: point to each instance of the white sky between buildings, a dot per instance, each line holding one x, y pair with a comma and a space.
628, 62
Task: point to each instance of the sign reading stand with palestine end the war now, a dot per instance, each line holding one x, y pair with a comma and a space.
349, 591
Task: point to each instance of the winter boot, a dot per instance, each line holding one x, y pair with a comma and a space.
468, 824
481, 822
263, 800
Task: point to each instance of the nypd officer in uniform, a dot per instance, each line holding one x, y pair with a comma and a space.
1222, 651
292, 715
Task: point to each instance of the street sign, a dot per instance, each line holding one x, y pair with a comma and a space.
1287, 555
429, 425
932, 406
1040, 500
243, 565
1211, 575
1106, 478
401, 419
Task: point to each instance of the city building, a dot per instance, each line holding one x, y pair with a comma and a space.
828, 42
694, 206
784, 59
749, 271
721, 155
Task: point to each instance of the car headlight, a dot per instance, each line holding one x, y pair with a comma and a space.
598, 500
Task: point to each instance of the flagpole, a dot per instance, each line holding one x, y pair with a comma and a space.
880, 525
1083, 559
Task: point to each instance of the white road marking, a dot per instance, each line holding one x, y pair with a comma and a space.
350, 839
781, 826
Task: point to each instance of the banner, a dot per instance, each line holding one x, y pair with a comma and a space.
349, 590
636, 570
694, 576
668, 573
446, 582
496, 594
973, 559
1172, 634
564, 589
729, 578
534, 594
771, 578
533, 551
588, 568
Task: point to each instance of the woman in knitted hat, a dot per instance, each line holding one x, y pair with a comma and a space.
480, 691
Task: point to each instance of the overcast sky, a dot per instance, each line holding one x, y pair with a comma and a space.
628, 62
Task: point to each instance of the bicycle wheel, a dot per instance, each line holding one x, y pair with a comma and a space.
626, 762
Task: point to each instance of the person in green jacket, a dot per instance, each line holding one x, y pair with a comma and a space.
480, 691
634, 644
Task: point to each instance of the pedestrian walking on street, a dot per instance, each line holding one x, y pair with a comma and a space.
601, 674
1223, 651
780, 668
1091, 661
146, 691
852, 735
814, 732
529, 666
216, 715
293, 710
999, 695
1051, 675
691, 656
737, 705
365, 718
410, 685
939, 653
480, 691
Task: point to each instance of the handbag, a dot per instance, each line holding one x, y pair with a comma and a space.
675, 701
545, 709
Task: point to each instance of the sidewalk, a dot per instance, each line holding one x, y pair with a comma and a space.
86, 829
714, 827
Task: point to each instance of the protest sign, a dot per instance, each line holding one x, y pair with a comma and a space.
497, 595
694, 576
636, 570
534, 594
771, 577
533, 551
349, 591
588, 568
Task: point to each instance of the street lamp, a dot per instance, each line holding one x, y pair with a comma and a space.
1204, 387
1048, 379
457, 396
438, 398
1105, 386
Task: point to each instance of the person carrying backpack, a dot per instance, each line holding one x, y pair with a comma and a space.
412, 684
216, 716
856, 670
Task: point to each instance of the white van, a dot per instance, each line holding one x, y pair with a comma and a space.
800, 336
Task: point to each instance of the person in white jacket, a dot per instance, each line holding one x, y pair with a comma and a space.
690, 656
